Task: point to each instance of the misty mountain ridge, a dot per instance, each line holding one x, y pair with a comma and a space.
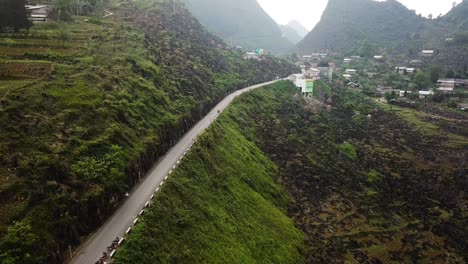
242, 22
298, 27
290, 34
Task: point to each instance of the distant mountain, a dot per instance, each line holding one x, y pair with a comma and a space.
290, 34
241, 22
365, 27
347, 24
298, 27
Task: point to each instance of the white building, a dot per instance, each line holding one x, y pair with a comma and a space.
347, 60
351, 71
347, 76
313, 73
401, 70
378, 57
297, 79
251, 56
427, 53
411, 70
425, 94
38, 13
446, 85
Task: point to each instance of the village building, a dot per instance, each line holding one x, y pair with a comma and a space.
347, 60
313, 73
38, 13
401, 70
351, 71
378, 57
425, 94
446, 85
371, 74
427, 53
461, 82
404, 93
411, 70
251, 56
356, 57
296, 77
327, 72
307, 88
347, 76
415, 62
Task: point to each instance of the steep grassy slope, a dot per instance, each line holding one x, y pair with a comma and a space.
86, 107
385, 189
241, 22
222, 205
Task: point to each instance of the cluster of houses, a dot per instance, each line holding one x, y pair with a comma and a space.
377, 58
314, 57
305, 80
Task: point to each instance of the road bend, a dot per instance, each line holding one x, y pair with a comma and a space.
142, 193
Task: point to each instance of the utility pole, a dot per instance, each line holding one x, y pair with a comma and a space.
71, 253
173, 3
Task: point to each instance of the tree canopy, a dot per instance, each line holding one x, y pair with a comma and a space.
13, 14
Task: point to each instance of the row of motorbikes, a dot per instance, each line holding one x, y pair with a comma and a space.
105, 254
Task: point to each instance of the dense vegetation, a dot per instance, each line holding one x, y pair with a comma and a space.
242, 23
369, 184
87, 106
222, 205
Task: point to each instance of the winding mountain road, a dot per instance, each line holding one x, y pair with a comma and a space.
124, 217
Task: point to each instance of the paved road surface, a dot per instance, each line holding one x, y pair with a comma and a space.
125, 215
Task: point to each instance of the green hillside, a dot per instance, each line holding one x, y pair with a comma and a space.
87, 106
242, 23
222, 205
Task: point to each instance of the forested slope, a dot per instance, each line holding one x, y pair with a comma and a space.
87, 106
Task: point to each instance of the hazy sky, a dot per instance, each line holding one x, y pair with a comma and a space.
308, 12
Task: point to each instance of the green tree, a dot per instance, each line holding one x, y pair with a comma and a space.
62, 10
434, 72
13, 14
21, 246
420, 79
450, 74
